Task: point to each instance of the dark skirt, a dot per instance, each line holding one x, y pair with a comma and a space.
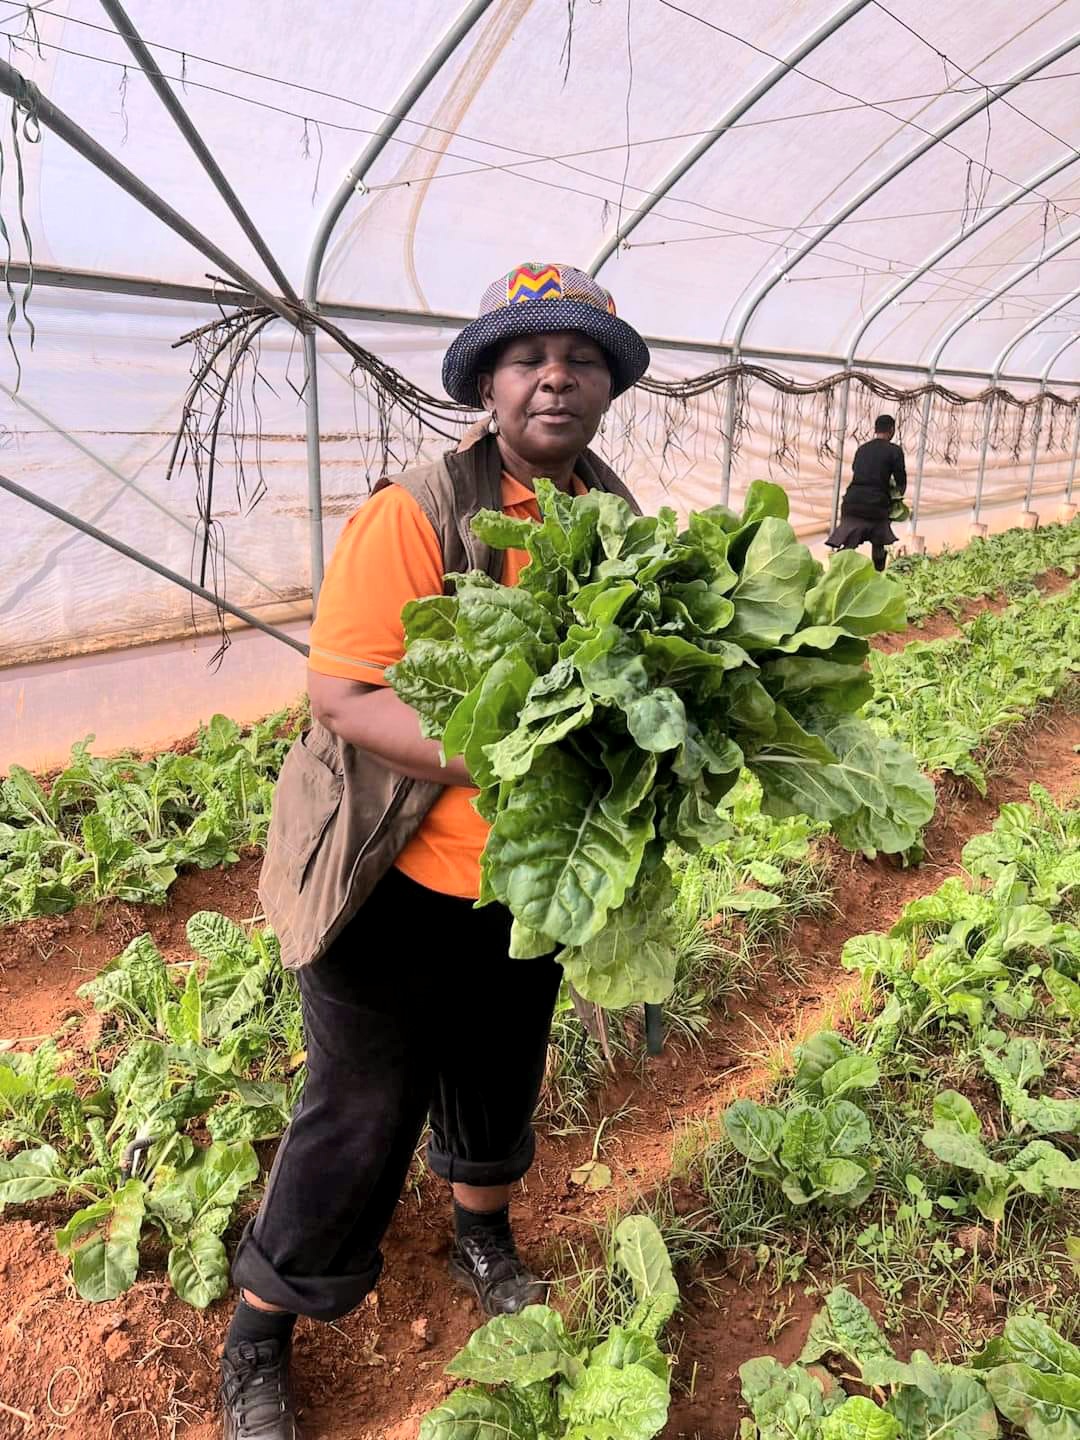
852, 532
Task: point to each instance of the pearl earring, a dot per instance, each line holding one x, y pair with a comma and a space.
493, 424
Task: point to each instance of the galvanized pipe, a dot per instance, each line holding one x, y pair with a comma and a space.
729, 434
125, 480
127, 32
916, 493
991, 96
1001, 290
353, 182
1035, 429
841, 434
991, 402
134, 285
140, 559
312, 436
734, 113
25, 93
999, 365
973, 227
1072, 464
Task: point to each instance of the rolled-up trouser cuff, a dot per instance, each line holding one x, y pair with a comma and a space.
322, 1297
482, 1172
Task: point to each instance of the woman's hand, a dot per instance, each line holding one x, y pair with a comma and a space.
375, 720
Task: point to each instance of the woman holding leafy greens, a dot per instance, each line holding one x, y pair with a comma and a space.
412, 1010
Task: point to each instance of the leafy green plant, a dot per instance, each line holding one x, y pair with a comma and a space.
607, 705
1029, 1375
1003, 563
956, 1139
952, 702
993, 953
1014, 1066
530, 1381
123, 826
216, 1048
815, 1147
925, 1401
1033, 1376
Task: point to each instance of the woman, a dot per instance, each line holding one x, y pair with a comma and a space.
412, 1009
878, 477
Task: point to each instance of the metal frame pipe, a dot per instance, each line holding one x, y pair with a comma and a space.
1072, 464
841, 432
125, 480
984, 447
867, 192
924, 432
1054, 358
734, 113
30, 98
135, 286
20, 493
999, 365
972, 228
996, 294
353, 182
1036, 428
165, 93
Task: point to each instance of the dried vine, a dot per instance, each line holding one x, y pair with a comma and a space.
682, 423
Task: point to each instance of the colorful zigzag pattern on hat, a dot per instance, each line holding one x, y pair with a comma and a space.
534, 282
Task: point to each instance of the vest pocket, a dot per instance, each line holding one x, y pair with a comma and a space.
308, 797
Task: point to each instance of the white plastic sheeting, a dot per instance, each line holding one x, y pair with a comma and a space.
541, 136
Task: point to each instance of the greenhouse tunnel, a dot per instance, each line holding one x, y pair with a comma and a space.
241, 238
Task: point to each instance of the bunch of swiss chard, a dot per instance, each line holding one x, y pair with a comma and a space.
606, 706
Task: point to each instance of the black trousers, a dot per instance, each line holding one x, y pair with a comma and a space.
416, 1013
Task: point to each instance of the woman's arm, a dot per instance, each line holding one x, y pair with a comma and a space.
375, 720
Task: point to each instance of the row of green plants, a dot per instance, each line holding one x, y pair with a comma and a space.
951, 1116
1007, 563
123, 827
531, 1378
838, 1141
955, 702
1028, 1376
154, 1133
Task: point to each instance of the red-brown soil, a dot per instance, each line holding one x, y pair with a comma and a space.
145, 1365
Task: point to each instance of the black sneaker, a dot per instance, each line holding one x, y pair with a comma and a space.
492, 1269
255, 1392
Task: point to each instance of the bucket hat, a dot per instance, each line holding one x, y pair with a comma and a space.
534, 300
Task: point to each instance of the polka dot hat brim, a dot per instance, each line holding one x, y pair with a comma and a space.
627, 352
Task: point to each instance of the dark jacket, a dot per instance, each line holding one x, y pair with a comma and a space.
340, 819
878, 470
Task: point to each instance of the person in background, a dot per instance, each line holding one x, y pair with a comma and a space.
413, 1012
878, 477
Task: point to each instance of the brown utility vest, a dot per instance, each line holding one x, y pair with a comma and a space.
340, 819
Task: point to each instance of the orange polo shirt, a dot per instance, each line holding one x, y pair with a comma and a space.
388, 554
